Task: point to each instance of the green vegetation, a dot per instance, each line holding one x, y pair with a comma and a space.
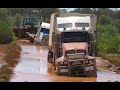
17, 20
12, 16
6, 33
108, 32
108, 39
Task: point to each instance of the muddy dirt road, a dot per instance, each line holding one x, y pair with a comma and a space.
33, 67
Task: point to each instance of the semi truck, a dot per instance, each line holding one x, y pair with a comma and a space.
28, 24
72, 44
42, 35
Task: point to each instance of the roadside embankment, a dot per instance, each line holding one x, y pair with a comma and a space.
112, 61
9, 57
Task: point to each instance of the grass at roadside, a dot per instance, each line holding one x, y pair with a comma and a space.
112, 58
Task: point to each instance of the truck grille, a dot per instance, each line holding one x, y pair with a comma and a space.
76, 56
70, 52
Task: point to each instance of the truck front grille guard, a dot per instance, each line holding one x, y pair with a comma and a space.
76, 57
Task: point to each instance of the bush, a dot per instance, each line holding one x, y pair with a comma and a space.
108, 39
6, 33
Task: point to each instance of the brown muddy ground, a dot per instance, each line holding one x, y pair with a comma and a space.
33, 67
2, 54
9, 57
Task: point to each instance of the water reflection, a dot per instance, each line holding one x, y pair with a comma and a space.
33, 67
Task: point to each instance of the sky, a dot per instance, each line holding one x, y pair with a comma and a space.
68, 9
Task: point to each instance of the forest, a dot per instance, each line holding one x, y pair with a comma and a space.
108, 24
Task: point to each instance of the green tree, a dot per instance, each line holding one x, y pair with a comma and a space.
17, 20
117, 24
108, 38
104, 19
3, 14
6, 33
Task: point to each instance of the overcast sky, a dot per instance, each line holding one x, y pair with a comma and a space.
70, 9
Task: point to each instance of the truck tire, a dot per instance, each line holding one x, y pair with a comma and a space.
53, 61
31, 39
94, 74
57, 70
49, 58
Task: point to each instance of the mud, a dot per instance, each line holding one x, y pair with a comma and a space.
9, 54
33, 67
2, 54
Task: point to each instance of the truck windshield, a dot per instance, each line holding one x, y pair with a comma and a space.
65, 25
28, 21
74, 37
81, 24
45, 30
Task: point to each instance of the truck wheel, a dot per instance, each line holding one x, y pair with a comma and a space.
94, 74
49, 57
58, 70
31, 39
53, 61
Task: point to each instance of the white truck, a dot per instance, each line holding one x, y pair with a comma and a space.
42, 35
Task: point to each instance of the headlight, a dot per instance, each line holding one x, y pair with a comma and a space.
90, 61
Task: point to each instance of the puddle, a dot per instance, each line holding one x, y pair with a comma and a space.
33, 67
107, 76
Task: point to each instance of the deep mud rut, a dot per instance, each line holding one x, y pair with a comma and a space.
33, 67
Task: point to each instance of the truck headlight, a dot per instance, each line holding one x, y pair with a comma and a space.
90, 61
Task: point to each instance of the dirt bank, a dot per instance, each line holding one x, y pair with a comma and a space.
9, 55
103, 64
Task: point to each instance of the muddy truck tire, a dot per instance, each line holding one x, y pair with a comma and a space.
31, 37
45, 40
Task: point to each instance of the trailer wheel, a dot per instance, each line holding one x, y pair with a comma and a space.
49, 58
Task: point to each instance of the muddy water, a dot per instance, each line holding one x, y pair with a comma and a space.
33, 67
